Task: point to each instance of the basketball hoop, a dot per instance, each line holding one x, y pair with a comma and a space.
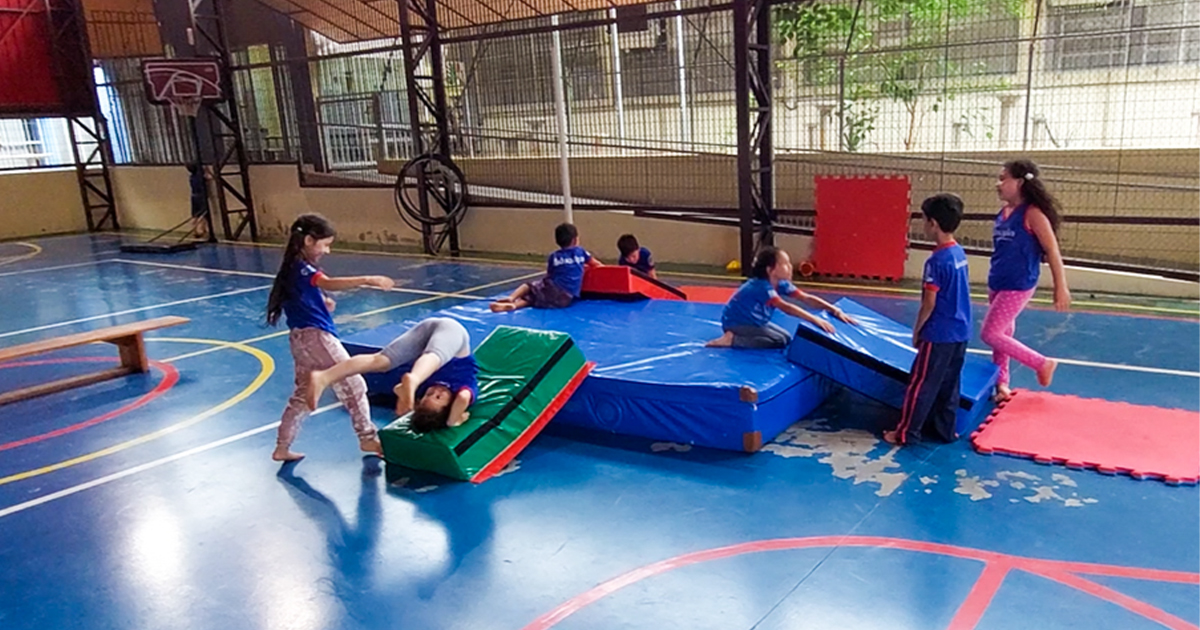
182, 83
187, 105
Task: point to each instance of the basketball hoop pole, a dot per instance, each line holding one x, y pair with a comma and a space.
199, 162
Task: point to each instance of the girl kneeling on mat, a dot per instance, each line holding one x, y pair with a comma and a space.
442, 383
746, 321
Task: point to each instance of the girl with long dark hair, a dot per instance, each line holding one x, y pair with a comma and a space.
1025, 234
298, 294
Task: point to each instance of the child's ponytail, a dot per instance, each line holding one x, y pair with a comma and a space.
314, 225
1034, 191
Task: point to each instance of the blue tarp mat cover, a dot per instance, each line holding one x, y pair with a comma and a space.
654, 377
875, 357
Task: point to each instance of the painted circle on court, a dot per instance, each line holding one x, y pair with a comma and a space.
996, 567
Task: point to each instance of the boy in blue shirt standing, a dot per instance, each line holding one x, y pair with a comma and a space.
564, 276
942, 330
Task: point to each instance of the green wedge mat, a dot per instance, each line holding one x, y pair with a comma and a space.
525, 377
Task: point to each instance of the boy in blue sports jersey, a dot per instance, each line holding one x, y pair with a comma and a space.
634, 255
564, 276
941, 332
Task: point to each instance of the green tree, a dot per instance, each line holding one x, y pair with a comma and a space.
875, 50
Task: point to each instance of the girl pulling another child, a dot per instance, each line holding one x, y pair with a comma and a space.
298, 294
746, 321
1024, 235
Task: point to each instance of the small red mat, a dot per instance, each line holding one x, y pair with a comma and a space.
1112, 437
709, 295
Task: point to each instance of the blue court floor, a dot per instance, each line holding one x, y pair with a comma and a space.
150, 502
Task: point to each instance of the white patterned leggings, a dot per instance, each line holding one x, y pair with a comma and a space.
316, 349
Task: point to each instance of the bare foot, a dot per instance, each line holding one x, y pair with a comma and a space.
724, 341
502, 306
891, 437
284, 454
405, 394
1003, 392
371, 445
316, 386
1046, 374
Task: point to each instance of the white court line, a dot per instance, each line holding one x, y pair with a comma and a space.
133, 310
224, 272
55, 268
87, 485
1109, 366
256, 274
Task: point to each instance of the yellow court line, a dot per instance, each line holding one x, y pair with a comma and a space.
19, 257
980, 297
268, 368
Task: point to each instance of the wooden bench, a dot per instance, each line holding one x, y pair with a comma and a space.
127, 338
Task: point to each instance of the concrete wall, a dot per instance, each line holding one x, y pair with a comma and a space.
152, 197
1157, 182
156, 198
35, 203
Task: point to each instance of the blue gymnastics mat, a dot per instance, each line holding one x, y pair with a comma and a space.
654, 378
875, 358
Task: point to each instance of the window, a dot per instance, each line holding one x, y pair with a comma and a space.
1134, 33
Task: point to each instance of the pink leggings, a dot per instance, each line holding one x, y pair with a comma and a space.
315, 349
998, 327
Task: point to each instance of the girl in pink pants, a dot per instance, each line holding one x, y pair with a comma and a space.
299, 294
1024, 235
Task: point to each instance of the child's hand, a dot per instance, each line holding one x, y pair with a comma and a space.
381, 282
1062, 299
824, 325
916, 340
840, 314
330, 304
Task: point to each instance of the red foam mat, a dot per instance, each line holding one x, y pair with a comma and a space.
615, 281
1110, 437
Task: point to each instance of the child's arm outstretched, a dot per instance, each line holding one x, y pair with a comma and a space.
796, 311
816, 302
325, 283
1041, 228
458, 408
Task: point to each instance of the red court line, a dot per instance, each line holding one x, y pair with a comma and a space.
1052, 569
980, 597
1120, 599
170, 377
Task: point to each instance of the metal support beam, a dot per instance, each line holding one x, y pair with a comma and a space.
230, 167
428, 115
755, 157
93, 155
87, 130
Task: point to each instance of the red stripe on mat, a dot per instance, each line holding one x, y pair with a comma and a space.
530, 432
